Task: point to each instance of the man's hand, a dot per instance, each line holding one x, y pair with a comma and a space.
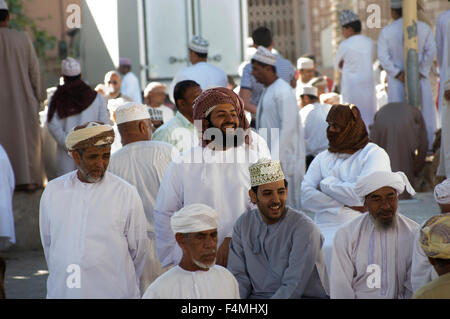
401, 76
222, 252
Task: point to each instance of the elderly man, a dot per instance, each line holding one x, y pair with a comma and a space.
215, 173
155, 96
180, 131
354, 59
422, 272
202, 72
372, 254
196, 276
278, 120
399, 128
276, 251
130, 83
314, 115
391, 56
142, 163
435, 242
113, 82
328, 185
20, 94
73, 104
92, 224
7, 233
250, 89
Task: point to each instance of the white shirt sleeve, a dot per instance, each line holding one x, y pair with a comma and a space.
342, 268
426, 57
385, 56
168, 201
44, 226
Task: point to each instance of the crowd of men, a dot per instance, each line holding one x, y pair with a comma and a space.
203, 195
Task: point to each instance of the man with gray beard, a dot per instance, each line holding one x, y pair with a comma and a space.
372, 253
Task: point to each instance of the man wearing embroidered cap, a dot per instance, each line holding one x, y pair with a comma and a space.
391, 56
354, 58
201, 71
20, 94
435, 242
73, 104
275, 251
130, 82
278, 120
142, 163
196, 276
422, 272
154, 98
214, 173
92, 224
372, 253
314, 115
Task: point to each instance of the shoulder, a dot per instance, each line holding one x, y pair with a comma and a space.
300, 222
350, 230
120, 185
170, 278
372, 148
222, 272
246, 219
409, 223
60, 182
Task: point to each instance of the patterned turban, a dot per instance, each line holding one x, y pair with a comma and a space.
435, 237
88, 135
210, 99
353, 136
442, 192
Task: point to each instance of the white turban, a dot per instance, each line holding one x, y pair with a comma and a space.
442, 192
130, 112
330, 98
194, 218
305, 63
93, 134
264, 55
369, 183
308, 90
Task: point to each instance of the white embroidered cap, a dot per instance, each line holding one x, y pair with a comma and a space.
263, 55
70, 67
155, 114
130, 112
305, 63
308, 90
3, 5
199, 45
194, 218
347, 16
265, 171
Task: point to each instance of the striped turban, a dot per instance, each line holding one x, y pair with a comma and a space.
88, 135
210, 99
435, 237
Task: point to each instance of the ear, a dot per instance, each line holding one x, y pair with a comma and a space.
180, 240
142, 127
252, 195
76, 157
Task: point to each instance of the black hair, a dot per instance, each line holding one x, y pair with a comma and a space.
274, 69
399, 11
71, 78
442, 262
181, 88
311, 97
355, 25
262, 36
3, 15
309, 56
255, 188
201, 55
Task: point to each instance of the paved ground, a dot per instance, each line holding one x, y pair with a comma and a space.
26, 272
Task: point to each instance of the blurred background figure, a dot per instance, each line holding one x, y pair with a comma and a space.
155, 97
130, 82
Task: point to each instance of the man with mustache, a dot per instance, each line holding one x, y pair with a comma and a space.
278, 120
276, 251
196, 276
92, 224
214, 173
328, 185
372, 254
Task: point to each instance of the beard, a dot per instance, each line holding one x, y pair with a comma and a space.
333, 138
203, 265
88, 177
227, 138
384, 225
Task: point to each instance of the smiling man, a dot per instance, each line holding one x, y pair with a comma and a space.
276, 251
92, 224
196, 276
372, 254
214, 173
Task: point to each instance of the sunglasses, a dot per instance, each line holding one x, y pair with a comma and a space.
113, 82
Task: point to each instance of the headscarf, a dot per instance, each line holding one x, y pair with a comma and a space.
211, 98
70, 99
435, 237
354, 135
442, 192
89, 134
194, 218
370, 183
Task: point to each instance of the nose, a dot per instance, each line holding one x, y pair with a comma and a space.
210, 242
386, 204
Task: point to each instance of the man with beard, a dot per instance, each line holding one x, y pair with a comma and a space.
73, 103
92, 224
278, 120
372, 254
196, 276
214, 173
328, 185
276, 251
